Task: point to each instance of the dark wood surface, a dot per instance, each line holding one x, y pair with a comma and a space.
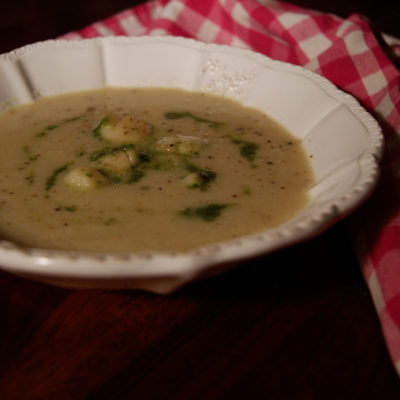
298, 324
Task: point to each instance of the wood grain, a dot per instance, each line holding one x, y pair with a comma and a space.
296, 324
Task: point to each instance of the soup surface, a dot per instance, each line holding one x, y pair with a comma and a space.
144, 169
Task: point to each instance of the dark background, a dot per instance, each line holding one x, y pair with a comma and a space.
23, 21
298, 324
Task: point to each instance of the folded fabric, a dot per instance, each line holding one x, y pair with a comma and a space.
345, 51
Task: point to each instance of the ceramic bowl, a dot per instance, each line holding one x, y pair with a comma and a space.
344, 140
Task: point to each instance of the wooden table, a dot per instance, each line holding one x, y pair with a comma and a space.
298, 324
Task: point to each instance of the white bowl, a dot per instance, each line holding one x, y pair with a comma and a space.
345, 141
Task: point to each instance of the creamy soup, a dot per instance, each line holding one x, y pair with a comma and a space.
135, 170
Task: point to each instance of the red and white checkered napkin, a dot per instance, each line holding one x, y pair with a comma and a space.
343, 50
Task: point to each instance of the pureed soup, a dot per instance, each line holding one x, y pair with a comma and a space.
137, 170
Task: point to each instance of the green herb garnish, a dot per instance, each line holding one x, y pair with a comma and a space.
205, 177
109, 150
207, 213
110, 221
51, 180
81, 153
73, 119
27, 151
46, 130
186, 114
102, 124
50, 128
247, 149
135, 175
66, 208
144, 156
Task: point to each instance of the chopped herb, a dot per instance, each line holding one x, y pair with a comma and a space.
66, 208
50, 128
186, 114
144, 156
207, 213
51, 180
247, 149
134, 175
101, 153
73, 119
163, 162
109, 150
102, 124
27, 151
110, 221
205, 177
46, 130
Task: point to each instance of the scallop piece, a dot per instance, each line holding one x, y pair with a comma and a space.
127, 130
85, 178
119, 162
181, 144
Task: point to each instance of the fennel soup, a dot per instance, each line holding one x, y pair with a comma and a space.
136, 170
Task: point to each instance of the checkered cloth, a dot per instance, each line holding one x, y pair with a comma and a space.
343, 50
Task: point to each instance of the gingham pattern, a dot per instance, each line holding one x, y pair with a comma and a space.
343, 50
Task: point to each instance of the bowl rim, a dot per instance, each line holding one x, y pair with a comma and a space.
16, 258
